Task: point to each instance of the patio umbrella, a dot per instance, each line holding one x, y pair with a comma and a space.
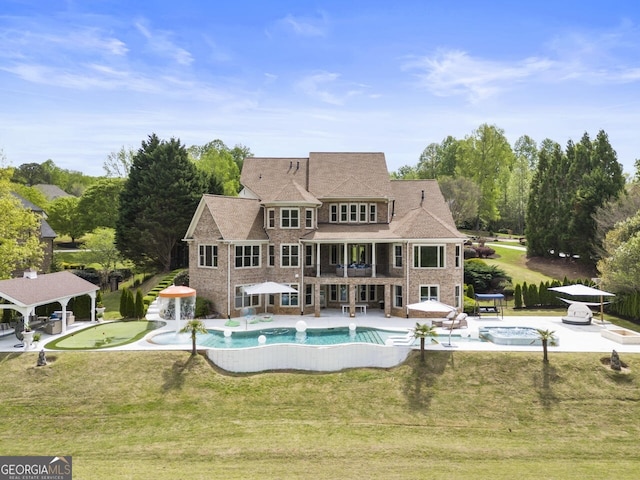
431, 306
268, 288
579, 290
434, 306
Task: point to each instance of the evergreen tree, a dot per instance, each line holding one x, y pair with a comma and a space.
517, 296
131, 304
123, 303
139, 304
157, 202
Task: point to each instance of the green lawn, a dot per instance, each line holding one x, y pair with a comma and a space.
513, 262
104, 335
165, 415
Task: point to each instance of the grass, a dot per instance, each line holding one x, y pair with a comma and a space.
167, 415
104, 335
513, 262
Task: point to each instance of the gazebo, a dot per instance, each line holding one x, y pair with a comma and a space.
32, 290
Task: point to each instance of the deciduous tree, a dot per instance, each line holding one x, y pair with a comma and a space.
65, 217
20, 245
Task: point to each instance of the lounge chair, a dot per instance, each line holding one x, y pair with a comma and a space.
578, 314
460, 321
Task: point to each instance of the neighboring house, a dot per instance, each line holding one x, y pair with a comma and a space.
51, 192
47, 235
333, 226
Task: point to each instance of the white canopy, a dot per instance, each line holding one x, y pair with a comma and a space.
431, 306
268, 287
579, 290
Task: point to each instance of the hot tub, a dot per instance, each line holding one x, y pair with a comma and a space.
512, 335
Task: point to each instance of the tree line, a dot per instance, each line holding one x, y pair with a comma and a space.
549, 194
139, 210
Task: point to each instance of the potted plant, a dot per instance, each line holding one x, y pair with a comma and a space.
36, 338
27, 337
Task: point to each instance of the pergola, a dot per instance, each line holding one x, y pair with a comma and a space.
26, 293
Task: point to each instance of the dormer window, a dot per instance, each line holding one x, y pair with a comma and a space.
289, 218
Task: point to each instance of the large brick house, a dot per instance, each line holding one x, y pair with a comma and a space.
335, 227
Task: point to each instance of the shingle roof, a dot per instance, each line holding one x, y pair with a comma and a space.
44, 288
348, 175
51, 191
338, 232
237, 218
266, 177
293, 192
418, 217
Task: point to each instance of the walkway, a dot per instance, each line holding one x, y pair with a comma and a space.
572, 338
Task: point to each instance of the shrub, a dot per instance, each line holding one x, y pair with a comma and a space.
517, 296
182, 278
203, 307
139, 305
483, 277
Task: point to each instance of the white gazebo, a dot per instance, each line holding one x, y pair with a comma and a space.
32, 290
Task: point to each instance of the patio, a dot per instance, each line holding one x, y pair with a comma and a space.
572, 338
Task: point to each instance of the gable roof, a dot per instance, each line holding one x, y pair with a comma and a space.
292, 192
237, 218
266, 177
348, 175
44, 289
419, 210
51, 191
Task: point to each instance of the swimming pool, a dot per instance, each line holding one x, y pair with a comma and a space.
275, 336
511, 335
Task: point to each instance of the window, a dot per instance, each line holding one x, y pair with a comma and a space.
290, 299
308, 218
366, 293
308, 255
456, 293
338, 293
271, 218
333, 254
289, 218
308, 295
333, 213
353, 212
429, 292
428, 256
289, 255
363, 213
272, 255
208, 256
373, 214
397, 255
397, 295
242, 300
344, 210
247, 256
458, 249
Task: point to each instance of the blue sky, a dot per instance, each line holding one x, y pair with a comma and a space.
80, 79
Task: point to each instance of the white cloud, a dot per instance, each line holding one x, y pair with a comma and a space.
454, 72
160, 43
305, 26
325, 87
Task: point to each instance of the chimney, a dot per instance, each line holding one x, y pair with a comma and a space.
298, 166
30, 274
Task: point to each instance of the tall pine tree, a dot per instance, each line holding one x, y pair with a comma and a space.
157, 203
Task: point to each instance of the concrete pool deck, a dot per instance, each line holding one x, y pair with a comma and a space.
572, 338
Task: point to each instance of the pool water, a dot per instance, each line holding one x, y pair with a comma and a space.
511, 335
315, 336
